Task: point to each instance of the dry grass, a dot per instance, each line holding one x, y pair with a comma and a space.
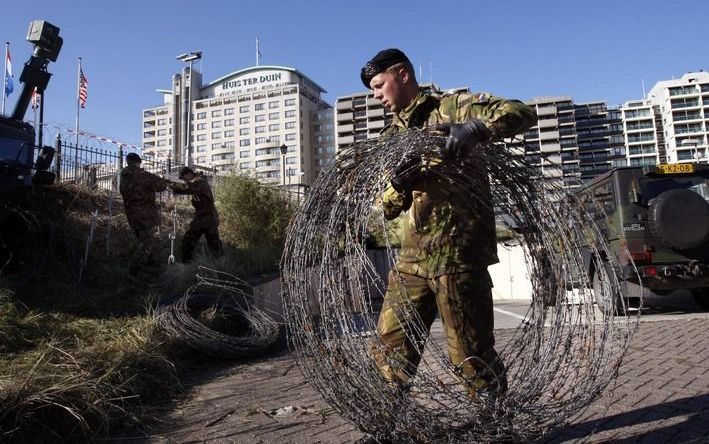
81, 357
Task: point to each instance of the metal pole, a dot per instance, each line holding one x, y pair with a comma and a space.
78, 106
188, 148
4, 75
58, 149
283, 160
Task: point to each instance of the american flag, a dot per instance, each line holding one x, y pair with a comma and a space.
83, 88
36, 98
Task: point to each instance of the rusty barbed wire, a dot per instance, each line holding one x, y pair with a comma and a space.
215, 316
559, 360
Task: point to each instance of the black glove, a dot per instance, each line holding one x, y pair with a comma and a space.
406, 175
463, 137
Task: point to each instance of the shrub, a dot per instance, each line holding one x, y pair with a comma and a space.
251, 214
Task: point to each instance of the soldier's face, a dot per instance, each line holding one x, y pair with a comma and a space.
388, 88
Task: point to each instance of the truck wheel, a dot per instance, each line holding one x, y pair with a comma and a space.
701, 295
606, 306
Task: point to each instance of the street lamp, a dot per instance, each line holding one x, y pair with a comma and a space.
188, 57
284, 150
692, 143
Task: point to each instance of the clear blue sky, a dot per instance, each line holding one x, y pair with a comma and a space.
599, 50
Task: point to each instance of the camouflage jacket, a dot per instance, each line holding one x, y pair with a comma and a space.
202, 198
138, 188
445, 231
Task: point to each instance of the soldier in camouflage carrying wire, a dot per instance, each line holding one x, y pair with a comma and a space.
138, 188
206, 218
448, 238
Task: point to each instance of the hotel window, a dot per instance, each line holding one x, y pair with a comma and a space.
260, 117
201, 148
290, 136
216, 124
201, 137
260, 129
273, 116
244, 120
259, 107
290, 102
273, 104
201, 116
290, 125
229, 133
244, 142
217, 113
229, 111
162, 121
201, 126
273, 127
260, 140
243, 154
229, 122
244, 109
244, 131
290, 113
217, 135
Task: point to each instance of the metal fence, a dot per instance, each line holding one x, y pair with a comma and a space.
99, 168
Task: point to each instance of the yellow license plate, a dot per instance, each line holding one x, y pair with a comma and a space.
675, 168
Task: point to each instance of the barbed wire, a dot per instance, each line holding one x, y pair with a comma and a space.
215, 316
558, 361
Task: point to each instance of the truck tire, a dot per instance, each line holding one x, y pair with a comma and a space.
701, 295
679, 219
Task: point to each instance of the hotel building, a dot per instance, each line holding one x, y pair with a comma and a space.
241, 122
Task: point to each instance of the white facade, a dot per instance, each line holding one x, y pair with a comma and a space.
643, 139
684, 109
240, 122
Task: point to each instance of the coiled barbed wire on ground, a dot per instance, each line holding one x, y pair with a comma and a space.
215, 317
559, 360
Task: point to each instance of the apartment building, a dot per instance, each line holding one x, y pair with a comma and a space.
267, 121
684, 110
643, 138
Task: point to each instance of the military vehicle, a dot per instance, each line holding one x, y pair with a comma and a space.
22, 163
656, 221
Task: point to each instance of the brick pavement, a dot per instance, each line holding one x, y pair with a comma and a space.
661, 395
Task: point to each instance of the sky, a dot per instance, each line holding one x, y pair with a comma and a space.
599, 50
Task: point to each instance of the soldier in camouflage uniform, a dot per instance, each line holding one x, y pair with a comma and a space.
138, 188
448, 238
206, 219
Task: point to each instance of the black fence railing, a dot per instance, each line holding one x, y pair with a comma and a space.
99, 169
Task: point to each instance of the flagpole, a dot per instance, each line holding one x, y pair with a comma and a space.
78, 107
257, 52
4, 77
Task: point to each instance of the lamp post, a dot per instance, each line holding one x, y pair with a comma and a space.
692, 143
284, 150
188, 57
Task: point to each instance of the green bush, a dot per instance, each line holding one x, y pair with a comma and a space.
252, 214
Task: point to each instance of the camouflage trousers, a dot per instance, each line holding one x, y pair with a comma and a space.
145, 257
197, 228
464, 301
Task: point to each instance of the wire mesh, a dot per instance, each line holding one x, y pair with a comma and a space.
558, 361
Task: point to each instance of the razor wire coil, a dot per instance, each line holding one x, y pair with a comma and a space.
558, 360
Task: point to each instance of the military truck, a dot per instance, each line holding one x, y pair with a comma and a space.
656, 221
21, 162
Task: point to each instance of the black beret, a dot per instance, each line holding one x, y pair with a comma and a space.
384, 60
132, 157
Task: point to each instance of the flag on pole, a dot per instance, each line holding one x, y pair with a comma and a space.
83, 88
9, 84
258, 52
35, 99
